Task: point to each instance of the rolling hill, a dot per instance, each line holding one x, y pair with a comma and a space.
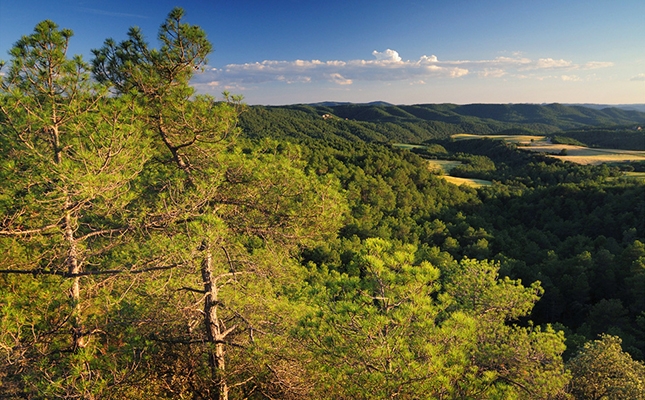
382, 122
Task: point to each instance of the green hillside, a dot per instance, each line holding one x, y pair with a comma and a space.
615, 137
418, 123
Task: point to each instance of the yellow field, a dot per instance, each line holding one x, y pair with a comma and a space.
443, 165
576, 154
466, 181
408, 146
588, 155
517, 139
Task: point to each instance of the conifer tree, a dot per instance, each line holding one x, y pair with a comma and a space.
69, 156
229, 212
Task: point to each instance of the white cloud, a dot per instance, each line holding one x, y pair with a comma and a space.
339, 79
389, 66
387, 56
598, 64
639, 77
492, 73
550, 63
458, 72
431, 59
570, 78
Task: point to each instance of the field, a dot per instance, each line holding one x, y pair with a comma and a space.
408, 146
635, 176
443, 167
517, 139
576, 154
538, 144
587, 155
466, 181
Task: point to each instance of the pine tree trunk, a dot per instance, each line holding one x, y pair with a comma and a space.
214, 327
73, 268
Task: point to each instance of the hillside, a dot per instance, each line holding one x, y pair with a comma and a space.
418, 123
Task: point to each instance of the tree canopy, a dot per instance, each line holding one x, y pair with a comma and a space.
160, 243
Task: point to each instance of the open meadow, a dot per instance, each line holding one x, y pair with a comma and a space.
443, 167
517, 139
466, 181
587, 155
564, 152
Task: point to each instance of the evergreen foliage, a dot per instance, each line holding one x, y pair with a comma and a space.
156, 243
419, 123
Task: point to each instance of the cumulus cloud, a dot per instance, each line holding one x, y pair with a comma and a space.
339, 79
639, 77
386, 66
387, 56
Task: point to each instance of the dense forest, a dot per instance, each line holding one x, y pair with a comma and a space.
423, 122
157, 243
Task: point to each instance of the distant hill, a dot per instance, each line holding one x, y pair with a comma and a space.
418, 123
344, 103
634, 107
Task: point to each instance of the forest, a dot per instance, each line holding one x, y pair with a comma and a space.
159, 243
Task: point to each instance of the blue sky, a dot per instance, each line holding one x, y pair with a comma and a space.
399, 51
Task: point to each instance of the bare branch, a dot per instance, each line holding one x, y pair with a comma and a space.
19, 232
189, 289
43, 271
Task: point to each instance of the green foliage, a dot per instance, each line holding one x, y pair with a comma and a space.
71, 158
156, 243
422, 122
557, 139
473, 166
389, 327
156, 188
603, 371
613, 137
230, 214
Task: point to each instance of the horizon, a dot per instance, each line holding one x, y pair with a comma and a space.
386, 103
293, 52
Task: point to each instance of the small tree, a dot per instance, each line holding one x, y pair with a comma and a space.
601, 370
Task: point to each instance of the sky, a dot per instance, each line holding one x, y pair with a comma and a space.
399, 51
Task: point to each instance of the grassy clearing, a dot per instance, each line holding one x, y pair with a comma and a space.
588, 155
466, 181
409, 146
636, 176
576, 154
517, 139
443, 165
640, 175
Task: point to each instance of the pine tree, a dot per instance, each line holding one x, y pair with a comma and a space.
69, 157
